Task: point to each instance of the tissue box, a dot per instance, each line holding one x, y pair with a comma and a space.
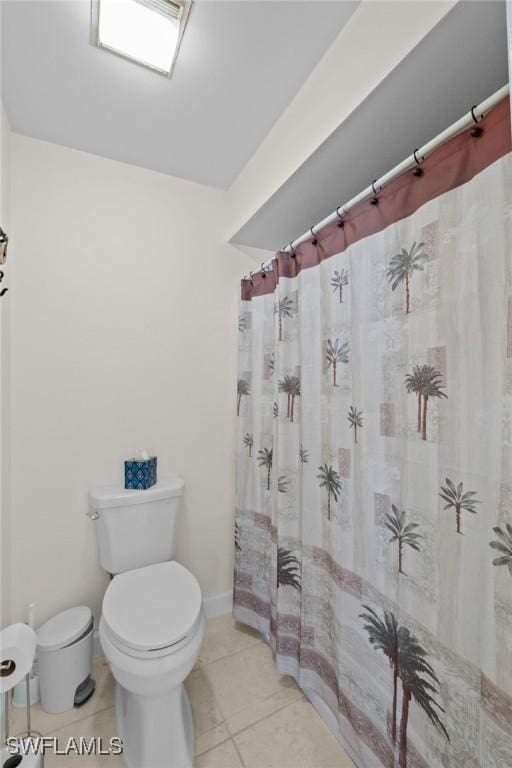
140, 474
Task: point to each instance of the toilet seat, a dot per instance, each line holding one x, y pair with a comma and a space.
152, 611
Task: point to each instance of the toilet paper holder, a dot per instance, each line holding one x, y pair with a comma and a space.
10, 669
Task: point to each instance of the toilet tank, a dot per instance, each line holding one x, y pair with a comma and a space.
135, 528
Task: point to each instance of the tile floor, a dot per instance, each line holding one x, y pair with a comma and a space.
246, 714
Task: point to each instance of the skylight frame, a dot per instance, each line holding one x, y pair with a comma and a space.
96, 42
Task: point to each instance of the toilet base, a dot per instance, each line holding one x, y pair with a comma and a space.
157, 731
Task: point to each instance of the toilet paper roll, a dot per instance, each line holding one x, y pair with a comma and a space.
17, 651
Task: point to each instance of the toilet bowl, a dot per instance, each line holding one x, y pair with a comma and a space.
152, 622
151, 630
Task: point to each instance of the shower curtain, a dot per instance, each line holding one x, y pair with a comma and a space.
373, 531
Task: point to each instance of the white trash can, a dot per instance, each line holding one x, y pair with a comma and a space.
64, 649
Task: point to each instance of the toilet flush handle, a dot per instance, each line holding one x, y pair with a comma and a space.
92, 514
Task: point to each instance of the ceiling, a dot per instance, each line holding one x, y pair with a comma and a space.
459, 63
239, 65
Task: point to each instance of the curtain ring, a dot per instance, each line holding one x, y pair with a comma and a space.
476, 130
292, 252
250, 277
262, 269
4, 241
375, 199
417, 171
314, 240
341, 223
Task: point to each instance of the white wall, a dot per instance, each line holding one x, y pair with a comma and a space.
5, 549
375, 39
123, 335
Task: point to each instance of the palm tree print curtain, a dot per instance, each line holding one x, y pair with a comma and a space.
374, 472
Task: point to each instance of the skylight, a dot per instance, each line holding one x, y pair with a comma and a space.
147, 31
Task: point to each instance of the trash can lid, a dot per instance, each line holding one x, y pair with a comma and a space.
64, 628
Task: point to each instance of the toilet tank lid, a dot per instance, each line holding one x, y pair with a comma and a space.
64, 628
117, 496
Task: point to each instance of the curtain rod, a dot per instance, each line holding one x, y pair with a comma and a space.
473, 116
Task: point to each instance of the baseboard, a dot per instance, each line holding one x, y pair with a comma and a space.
216, 605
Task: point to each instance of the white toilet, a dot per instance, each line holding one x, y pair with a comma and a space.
152, 622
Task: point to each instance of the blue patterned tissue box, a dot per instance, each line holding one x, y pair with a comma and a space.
140, 474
